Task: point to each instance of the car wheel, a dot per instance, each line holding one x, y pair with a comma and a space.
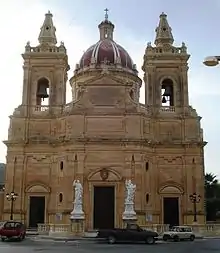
111, 239
176, 238
150, 240
166, 238
20, 237
3, 239
192, 238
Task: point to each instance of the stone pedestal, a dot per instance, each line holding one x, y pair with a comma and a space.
77, 213
77, 218
129, 214
78, 227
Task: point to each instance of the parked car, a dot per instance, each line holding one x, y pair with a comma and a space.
132, 233
12, 229
178, 233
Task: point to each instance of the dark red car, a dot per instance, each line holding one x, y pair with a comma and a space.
12, 229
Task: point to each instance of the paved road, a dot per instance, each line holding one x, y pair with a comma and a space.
30, 246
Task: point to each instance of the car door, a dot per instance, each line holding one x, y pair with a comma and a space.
185, 233
133, 234
188, 233
17, 228
8, 229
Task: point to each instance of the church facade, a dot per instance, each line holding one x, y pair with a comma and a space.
105, 135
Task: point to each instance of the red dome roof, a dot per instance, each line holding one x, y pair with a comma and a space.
109, 52
106, 52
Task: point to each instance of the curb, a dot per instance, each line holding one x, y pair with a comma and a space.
93, 239
212, 237
69, 239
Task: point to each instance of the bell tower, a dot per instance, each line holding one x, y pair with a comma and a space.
165, 71
45, 71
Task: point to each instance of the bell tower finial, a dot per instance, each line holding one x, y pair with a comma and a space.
163, 32
48, 31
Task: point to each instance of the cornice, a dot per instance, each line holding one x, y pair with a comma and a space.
64, 140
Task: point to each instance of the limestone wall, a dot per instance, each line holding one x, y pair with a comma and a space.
1, 204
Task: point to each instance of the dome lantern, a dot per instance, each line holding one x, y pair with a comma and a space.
106, 28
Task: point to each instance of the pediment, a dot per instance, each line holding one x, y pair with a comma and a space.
170, 189
105, 79
37, 189
107, 175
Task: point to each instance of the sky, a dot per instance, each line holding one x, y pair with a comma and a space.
194, 22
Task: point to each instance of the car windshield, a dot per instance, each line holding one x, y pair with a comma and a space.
1, 224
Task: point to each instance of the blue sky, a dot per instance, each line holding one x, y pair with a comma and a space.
194, 22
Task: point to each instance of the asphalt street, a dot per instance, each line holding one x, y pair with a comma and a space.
41, 246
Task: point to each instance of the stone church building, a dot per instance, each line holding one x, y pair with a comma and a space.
105, 135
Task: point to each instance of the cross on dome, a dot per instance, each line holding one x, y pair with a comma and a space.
106, 13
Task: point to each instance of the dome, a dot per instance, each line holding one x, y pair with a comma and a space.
106, 52
109, 52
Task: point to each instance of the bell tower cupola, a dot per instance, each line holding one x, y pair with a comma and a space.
45, 71
165, 71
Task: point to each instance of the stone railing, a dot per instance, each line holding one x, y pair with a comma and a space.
159, 228
204, 230
52, 229
207, 230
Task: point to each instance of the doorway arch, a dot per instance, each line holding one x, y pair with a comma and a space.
171, 199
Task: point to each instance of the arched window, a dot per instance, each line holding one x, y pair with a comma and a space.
131, 94
61, 197
61, 165
42, 91
167, 95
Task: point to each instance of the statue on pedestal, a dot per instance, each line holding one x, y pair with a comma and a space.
78, 191
130, 188
129, 213
77, 213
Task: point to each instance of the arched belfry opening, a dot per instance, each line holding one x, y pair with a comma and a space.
167, 94
42, 96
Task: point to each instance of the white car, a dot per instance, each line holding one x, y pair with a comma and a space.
178, 233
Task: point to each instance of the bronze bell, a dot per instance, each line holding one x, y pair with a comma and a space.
167, 91
164, 100
42, 91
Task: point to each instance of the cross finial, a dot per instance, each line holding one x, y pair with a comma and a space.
106, 13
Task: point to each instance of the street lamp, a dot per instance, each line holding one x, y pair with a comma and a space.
12, 196
211, 61
195, 199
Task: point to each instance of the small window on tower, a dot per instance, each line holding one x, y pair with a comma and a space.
61, 165
167, 93
60, 197
147, 198
146, 166
106, 33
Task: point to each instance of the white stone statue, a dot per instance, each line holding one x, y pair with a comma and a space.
130, 188
129, 212
78, 191
77, 213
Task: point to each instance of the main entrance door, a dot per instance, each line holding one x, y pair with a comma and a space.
36, 210
104, 207
171, 211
